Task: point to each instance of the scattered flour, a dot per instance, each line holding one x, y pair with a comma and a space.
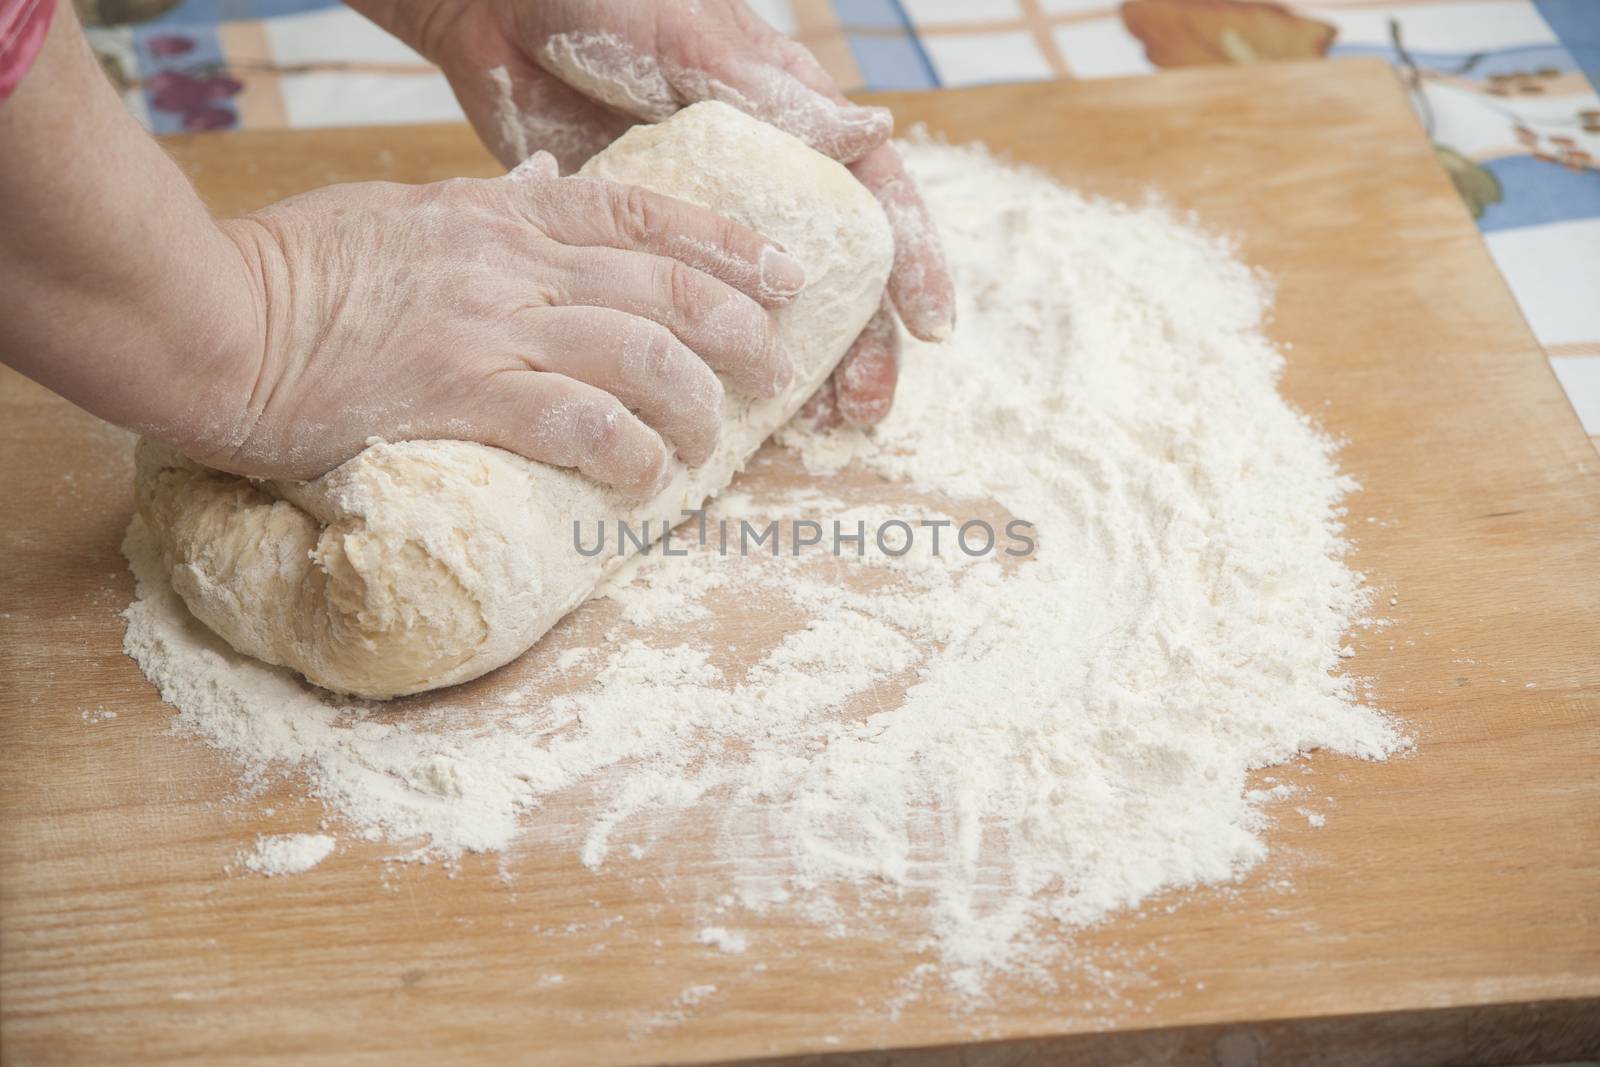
507, 115
998, 748
289, 853
723, 939
694, 994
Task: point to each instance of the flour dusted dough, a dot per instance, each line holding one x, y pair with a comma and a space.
425, 563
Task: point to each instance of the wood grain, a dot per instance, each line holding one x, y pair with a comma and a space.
1450, 912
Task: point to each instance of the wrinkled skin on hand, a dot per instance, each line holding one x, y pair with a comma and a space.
561, 318
570, 75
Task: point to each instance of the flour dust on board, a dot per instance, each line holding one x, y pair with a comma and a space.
1001, 746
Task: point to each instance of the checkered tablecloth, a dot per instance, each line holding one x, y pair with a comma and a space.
1506, 89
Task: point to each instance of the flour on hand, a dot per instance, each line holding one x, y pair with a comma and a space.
422, 564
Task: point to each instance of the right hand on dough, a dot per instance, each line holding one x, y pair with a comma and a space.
572, 75
531, 312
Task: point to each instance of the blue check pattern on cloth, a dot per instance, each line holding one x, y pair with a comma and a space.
1505, 88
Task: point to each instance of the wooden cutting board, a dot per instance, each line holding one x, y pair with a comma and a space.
1450, 912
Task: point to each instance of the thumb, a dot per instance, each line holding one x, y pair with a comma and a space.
538, 167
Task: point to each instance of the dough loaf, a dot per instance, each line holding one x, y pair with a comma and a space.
421, 564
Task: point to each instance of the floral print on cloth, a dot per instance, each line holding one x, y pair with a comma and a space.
1504, 89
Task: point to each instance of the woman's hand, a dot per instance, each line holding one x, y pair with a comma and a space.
569, 76
530, 312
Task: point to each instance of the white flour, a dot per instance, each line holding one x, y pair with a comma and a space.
1075, 729
289, 853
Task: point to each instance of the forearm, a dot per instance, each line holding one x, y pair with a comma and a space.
121, 293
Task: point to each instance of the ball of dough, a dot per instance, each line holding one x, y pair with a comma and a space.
421, 564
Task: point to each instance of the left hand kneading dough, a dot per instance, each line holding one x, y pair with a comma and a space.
420, 564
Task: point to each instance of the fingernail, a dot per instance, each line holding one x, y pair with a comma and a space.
864, 412
928, 320
860, 130
941, 329
855, 115
539, 165
782, 275
663, 479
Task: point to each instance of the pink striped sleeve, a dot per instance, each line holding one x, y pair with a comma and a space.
23, 24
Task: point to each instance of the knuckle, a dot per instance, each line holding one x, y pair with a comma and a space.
600, 426
447, 191
539, 200
661, 353
541, 280
638, 213
711, 392
763, 340
544, 292
682, 287
652, 352
702, 401
765, 331
651, 467
737, 240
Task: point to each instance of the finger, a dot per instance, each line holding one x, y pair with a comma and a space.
557, 420
589, 212
540, 166
864, 380
821, 410
638, 362
518, 109
721, 325
610, 68
797, 61
919, 283
843, 131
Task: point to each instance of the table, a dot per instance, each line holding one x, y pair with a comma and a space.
1451, 912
